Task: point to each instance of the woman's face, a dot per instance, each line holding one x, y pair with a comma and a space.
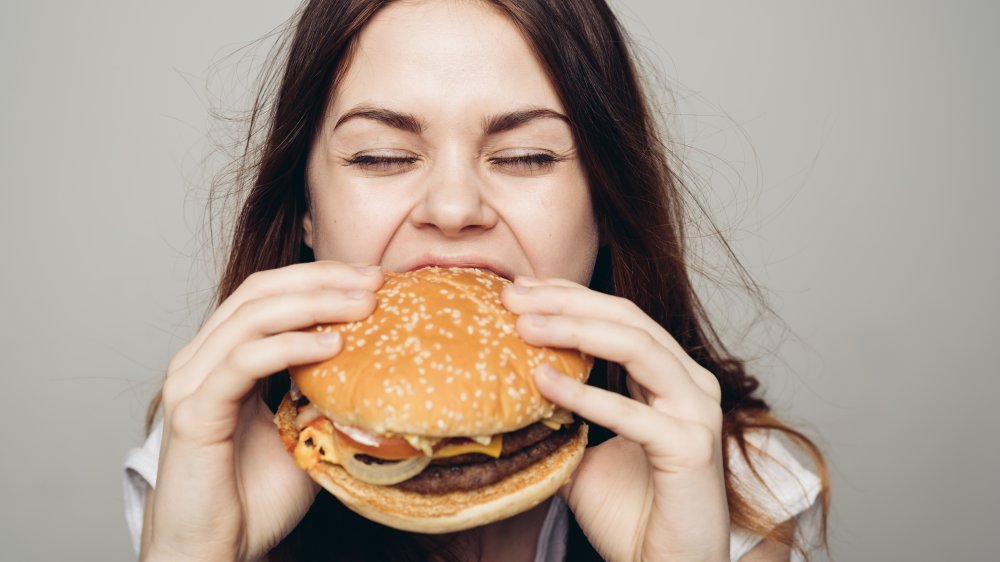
445, 143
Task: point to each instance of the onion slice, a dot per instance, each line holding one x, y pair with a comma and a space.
383, 474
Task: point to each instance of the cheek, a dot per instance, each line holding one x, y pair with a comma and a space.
559, 234
353, 226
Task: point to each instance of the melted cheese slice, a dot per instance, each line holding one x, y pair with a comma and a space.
453, 450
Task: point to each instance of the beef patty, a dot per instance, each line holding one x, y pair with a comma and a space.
444, 478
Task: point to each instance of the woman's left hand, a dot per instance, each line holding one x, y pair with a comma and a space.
657, 490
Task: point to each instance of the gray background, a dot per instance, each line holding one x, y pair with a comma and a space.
848, 149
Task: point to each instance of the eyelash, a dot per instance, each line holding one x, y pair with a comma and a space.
528, 162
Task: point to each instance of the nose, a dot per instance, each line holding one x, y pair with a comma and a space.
453, 200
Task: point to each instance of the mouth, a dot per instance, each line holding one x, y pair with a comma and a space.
478, 262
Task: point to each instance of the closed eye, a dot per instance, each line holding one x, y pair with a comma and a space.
526, 163
380, 163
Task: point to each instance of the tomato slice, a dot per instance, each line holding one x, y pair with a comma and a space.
388, 448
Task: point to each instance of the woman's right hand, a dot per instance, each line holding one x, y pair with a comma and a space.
226, 488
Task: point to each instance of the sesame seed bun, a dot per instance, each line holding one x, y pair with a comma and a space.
439, 357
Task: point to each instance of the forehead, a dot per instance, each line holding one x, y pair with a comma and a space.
444, 56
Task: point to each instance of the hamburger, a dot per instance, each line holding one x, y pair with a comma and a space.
428, 420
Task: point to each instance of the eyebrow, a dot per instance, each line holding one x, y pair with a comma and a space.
492, 125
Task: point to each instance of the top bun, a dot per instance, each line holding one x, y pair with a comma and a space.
439, 357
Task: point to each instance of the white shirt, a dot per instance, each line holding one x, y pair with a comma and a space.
791, 492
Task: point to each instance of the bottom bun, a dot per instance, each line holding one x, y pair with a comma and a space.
455, 511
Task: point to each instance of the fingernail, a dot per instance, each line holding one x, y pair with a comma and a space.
545, 371
367, 269
328, 338
535, 319
358, 294
519, 289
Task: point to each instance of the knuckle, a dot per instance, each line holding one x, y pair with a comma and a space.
185, 420
254, 281
174, 390
322, 300
180, 358
646, 342
702, 444
295, 344
711, 385
576, 330
248, 311
562, 302
548, 301
249, 288
320, 305
626, 306
241, 358
256, 285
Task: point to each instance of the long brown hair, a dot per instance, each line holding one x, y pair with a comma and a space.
641, 205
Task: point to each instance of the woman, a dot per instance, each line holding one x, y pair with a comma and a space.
512, 135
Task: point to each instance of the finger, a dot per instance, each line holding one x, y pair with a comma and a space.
555, 297
648, 363
653, 430
210, 414
529, 281
300, 277
267, 316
